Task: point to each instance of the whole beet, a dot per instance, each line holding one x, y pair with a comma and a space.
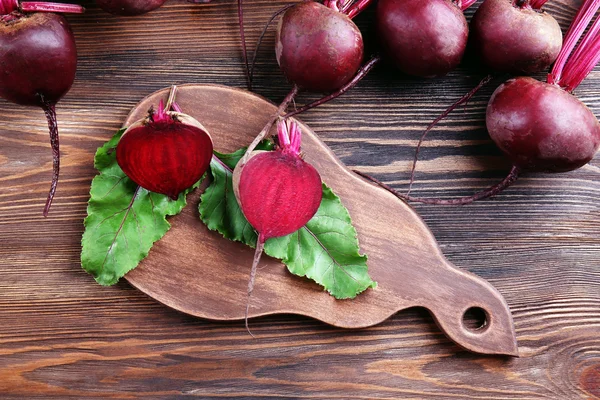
38, 58
129, 7
318, 48
514, 39
541, 127
422, 38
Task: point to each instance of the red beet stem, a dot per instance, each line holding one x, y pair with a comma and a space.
462, 100
42, 6
265, 131
260, 246
464, 4
8, 6
570, 66
362, 72
262, 36
50, 111
290, 137
357, 8
537, 4
512, 176
584, 59
243, 40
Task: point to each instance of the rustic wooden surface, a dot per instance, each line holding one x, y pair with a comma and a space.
195, 271
64, 337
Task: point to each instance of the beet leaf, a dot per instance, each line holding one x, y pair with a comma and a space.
123, 220
325, 250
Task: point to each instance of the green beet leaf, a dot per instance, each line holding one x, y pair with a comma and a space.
219, 209
124, 220
326, 250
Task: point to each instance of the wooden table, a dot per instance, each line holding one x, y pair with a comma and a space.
62, 336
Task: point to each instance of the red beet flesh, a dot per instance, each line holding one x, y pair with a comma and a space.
129, 7
541, 127
38, 58
422, 38
319, 49
167, 155
278, 191
513, 39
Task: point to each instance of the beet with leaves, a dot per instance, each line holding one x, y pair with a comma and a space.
278, 192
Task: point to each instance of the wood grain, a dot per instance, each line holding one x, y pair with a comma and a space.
64, 337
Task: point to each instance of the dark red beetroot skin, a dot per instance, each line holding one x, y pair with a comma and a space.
38, 58
541, 127
515, 40
422, 38
167, 156
317, 48
129, 7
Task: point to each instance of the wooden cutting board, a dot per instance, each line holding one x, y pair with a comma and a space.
198, 272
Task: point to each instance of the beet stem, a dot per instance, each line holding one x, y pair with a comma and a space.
357, 8
464, 4
171, 99
8, 6
362, 72
462, 100
512, 176
50, 111
42, 6
262, 36
538, 4
221, 163
265, 131
577, 28
243, 40
583, 59
260, 246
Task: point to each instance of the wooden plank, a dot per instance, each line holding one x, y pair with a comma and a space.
64, 337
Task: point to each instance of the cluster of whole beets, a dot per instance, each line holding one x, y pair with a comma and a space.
540, 126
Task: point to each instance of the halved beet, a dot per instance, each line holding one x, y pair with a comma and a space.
165, 153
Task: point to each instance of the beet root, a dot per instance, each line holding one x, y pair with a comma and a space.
278, 191
38, 58
513, 39
129, 7
318, 48
422, 38
541, 127
167, 152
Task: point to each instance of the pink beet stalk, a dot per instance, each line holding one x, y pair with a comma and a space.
537, 4
8, 6
466, 4
577, 65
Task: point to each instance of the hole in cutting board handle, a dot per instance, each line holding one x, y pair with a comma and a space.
476, 319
